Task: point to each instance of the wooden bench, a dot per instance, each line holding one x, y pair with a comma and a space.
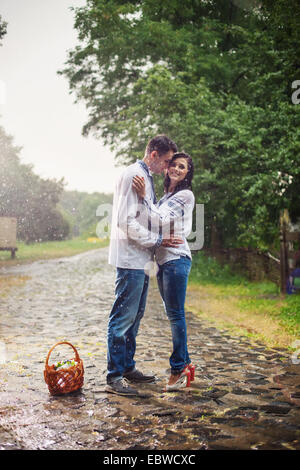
8, 235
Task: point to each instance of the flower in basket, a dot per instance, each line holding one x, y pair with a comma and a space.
65, 364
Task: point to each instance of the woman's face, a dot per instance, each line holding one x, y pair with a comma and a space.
178, 170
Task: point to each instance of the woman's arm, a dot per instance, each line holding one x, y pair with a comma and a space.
139, 186
172, 213
138, 183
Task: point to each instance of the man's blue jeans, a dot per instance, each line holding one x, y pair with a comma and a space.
172, 280
124, 320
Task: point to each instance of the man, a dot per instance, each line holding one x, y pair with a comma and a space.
131, 248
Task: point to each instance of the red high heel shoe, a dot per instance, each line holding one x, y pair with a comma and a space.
191, 368
184, 380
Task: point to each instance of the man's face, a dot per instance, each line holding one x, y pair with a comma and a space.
158, 163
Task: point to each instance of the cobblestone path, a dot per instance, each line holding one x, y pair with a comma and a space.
243, 397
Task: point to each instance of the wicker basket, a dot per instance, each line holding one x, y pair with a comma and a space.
64, 380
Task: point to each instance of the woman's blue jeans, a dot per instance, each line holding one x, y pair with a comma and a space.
172, 280
131, 293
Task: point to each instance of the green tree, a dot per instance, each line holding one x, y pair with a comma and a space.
213, 76
80, 208
29, 198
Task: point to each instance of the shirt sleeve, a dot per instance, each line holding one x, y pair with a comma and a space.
133, 219
175, 215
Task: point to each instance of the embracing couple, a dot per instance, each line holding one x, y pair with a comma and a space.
141, 229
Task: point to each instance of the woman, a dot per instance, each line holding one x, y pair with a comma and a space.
174, 211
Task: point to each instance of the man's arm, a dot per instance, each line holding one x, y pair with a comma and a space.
132, 217
171, 215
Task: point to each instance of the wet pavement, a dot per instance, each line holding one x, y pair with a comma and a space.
244, 396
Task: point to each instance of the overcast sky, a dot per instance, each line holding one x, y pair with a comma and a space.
35, 105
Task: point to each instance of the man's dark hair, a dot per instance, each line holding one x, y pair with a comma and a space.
186, 183
162, 144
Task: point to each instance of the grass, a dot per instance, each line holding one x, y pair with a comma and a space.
52, 249
254, 309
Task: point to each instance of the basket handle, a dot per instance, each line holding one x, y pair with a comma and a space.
77, 358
